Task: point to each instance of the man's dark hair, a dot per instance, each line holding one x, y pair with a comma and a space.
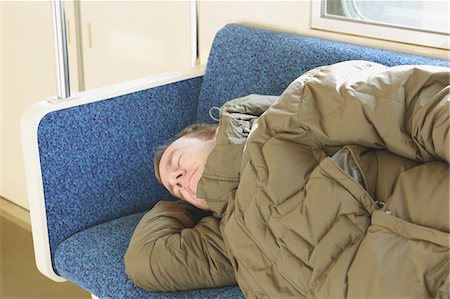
201, 131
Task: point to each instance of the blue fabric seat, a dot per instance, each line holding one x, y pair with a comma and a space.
96, 158
87, 256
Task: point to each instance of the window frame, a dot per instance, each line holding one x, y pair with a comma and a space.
372, 29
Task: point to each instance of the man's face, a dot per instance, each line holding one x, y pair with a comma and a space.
182, 165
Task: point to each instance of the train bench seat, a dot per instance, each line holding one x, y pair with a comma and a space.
89, 158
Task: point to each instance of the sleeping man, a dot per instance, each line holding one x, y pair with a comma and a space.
337, 188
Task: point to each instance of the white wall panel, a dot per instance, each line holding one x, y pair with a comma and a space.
28, 75
133, 39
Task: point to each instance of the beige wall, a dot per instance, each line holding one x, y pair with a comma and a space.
289, 16
28, 75
1, 96
133, 39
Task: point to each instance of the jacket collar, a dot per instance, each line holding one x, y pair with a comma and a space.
222, 170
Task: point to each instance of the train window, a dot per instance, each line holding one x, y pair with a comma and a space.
419, 22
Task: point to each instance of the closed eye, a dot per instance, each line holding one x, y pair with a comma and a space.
179, 160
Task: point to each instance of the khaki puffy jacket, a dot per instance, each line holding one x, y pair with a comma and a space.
340, 190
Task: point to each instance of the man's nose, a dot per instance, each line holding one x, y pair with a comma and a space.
178, 177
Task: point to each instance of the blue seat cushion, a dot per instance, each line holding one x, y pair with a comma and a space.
93, 259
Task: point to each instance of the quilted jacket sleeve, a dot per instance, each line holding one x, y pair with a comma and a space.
404, 109
170, 251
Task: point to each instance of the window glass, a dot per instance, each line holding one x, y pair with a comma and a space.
422, 15
418, 22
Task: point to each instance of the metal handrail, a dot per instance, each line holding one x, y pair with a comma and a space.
61, 52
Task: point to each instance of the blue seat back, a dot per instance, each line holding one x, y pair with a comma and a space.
245, 60
96, 159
